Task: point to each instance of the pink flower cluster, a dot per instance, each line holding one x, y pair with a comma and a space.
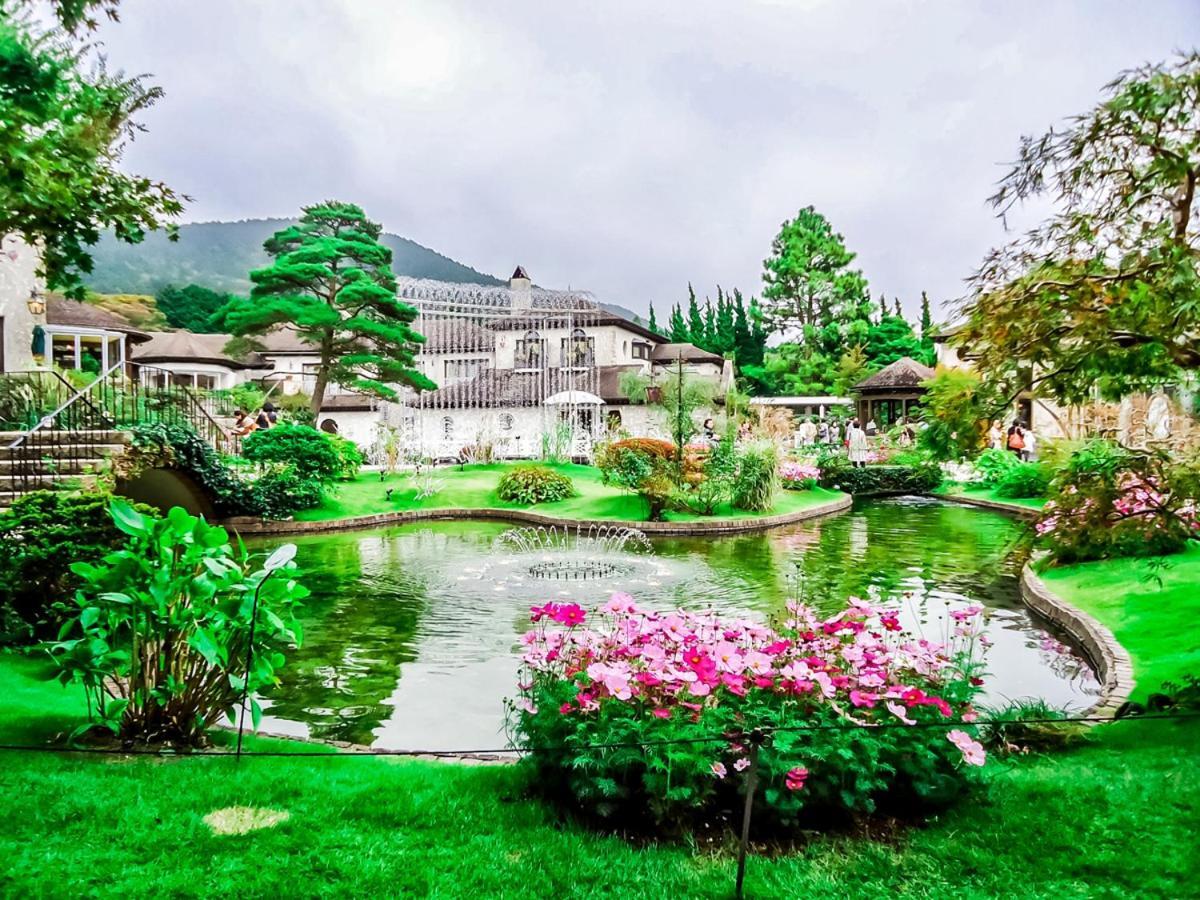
1139, 497
860, 663
799, 475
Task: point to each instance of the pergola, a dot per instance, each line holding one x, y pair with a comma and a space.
892, 393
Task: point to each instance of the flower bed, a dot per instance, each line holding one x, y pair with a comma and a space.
799, 476
848, 702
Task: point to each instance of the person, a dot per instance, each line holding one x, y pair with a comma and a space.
709, 431
242, 425
907, 435
1016, 440
1029, 454
872, 428
823, 432
996, 436
263, 420
856, 445
808, 432
744, 432
835, 434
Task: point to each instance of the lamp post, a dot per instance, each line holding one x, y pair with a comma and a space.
36, 302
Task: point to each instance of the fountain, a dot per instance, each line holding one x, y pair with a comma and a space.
576, 554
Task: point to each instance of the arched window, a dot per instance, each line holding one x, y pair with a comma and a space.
577, 350
529, 351
447, 427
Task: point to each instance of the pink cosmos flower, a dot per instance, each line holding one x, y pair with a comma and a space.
718, 769
899, 712
742, 764
528, 705
795, 778
972, 751
662, 712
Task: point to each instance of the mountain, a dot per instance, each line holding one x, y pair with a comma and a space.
219, 255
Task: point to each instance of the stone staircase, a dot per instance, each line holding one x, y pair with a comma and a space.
55, 460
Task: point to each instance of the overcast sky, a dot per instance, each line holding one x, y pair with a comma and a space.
628, 147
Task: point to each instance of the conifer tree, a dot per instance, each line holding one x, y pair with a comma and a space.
710, 327
926, 318
331, 281
898, 311
695, 321
653, 320
725, 340
741, 329
678, 332
883, 307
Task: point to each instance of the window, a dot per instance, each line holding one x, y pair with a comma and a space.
448, 428
506, 422
578, 351
641, 350
530, 352
463, 369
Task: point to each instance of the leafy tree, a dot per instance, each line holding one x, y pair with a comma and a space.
192, 307
332, 282
807, 278
1106, 291
64, 127
959, 405
852, 368
891, 339
695, 320
653, 321
677, 326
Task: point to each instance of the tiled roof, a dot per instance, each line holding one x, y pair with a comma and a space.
172, 346
687, 352
61, 311
903, 373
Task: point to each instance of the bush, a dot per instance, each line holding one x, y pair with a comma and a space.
1112, 502
757, 476
707, 478
643, 466
992, 464
350, 458
161, 628
697, 675
309, 452
836, 472
534, 484
42, 533
1025, 479
799, 476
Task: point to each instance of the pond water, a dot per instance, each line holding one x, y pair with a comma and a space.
410, 638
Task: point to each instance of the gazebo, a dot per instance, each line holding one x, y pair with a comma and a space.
890, 394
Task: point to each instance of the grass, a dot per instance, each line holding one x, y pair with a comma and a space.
981, 493
474, 487
1112, 819
1156, 623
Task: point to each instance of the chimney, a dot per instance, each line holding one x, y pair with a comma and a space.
520, 290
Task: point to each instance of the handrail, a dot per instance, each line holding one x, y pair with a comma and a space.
80, 394
218, 430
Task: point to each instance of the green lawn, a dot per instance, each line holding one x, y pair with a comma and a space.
1112, 819
1158, 625
474, 487
978, 493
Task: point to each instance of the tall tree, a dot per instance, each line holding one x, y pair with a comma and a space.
653, 321
883, 307
695, 321
192, 307
807, 277
677, 326
1106, 291
926, 318
898, 310
64, 127
741, 329
331, 280
725, 340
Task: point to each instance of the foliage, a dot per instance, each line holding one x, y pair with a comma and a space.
1025, 479
331, 281
64, 128
1106, 291
892, 338
679, 394
163, 628
799, 476
1110, 501
311, 453
813, 684
639, 465
992, 465
837, 472
534, 484
708, 477
557, 443
192, 307
958, 406
1030, 726
42, 533
756, 477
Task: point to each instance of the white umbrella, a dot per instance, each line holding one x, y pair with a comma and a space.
573, 398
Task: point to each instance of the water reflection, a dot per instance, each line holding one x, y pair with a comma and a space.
410, 636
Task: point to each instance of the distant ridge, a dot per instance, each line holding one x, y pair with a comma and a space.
220, 255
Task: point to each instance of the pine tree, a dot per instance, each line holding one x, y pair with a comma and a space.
331, 281
653, 320
695, 321
725, 339
883, 307
926, 318
757, 345
677, 327
710, 327
741, 329
899, 311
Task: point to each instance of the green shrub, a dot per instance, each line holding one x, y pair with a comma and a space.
350, 458
309, 452
837, 473
757, 476
992, 464
534, 484
1025, 479
643, 468
707, 478
42, 533
161, 628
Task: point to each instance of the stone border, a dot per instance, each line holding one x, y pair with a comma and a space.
1022, 512
247, 526
1108, 658
470, 759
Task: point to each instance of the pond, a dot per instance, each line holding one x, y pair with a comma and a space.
411, 635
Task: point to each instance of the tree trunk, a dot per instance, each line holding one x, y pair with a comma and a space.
318, 397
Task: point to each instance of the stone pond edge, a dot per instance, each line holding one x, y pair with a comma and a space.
251, 526
1110, 660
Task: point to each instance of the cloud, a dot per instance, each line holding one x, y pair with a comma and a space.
627, 147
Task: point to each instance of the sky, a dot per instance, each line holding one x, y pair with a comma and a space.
628, 147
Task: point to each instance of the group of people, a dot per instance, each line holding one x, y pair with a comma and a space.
243, 424
1019, 440
809, 433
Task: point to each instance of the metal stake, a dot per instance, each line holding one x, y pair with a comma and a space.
249, 660
756, 739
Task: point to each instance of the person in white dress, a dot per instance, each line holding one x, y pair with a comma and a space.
856, 444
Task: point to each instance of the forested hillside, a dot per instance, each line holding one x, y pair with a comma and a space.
219, 255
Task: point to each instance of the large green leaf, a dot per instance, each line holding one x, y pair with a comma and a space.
127, 519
